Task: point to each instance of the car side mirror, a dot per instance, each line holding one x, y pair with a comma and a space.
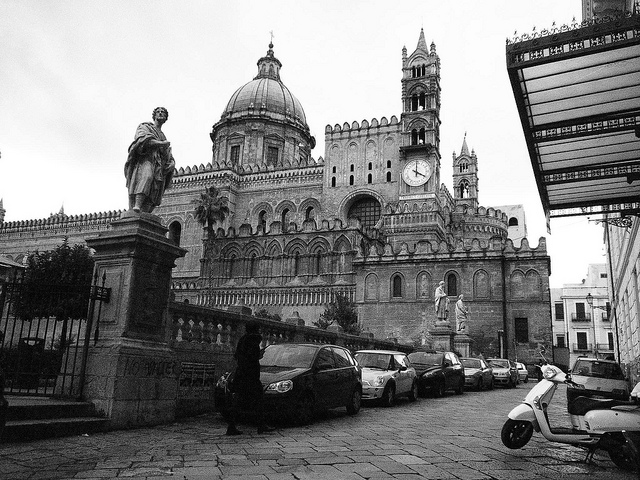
402, 368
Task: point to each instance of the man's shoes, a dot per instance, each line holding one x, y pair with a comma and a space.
233, 431
265, 429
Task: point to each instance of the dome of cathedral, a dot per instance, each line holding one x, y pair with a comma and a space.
266, 95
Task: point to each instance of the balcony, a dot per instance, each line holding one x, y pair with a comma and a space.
580, 317
582, 347
605, 347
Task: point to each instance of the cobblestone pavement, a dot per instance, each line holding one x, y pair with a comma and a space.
455, 437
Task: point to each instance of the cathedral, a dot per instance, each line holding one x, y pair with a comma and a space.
370, 220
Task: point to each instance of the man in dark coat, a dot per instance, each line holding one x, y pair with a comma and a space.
247, 387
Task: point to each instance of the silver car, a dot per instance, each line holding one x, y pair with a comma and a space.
386, 375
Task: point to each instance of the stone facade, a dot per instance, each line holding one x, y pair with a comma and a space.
371, 220
623, 260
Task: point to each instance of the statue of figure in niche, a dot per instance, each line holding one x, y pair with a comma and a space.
462, 315
150, 165
441, 303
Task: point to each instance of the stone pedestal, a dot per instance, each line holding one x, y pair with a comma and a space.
441, 335
132, 374
462, 344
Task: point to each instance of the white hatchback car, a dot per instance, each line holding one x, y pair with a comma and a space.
386, 375
600, 378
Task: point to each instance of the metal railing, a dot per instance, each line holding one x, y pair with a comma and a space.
580, 317
582, 347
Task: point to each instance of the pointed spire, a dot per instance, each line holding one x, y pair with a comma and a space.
61, 212
422, 43
465, 148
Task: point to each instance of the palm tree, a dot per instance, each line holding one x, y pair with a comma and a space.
210, 208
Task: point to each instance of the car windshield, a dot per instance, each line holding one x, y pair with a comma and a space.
499, 363
374, 360
293, 356
596, 369
424, 358
471, 362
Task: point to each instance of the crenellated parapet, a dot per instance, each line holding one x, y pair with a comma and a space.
467, 222
426, 251
245, 169
59, 221
364, 127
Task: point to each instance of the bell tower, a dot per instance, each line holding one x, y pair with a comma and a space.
465, 177
420, 151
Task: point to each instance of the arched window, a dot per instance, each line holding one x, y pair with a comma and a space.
463, 189
175, 231
388, 163
369, 178
422, 102
333, 170
352, 167
296, 265
388, 176
452, 285
414, 103
309, 213
396, 289
414, 137
333, 181
513, 222
421, 137
367, 210
262, 219
350, 179
464, 167
252, 266
285, 219
370, 166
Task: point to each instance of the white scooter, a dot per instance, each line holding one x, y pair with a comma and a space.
611, 425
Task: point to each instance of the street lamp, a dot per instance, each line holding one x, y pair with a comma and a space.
593, 319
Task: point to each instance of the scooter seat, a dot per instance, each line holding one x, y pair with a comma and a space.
582, 405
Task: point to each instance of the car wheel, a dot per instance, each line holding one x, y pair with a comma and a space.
460, 389
355, 403
480, 385
389, 395
413, 394
304, 409
516, 433
439, 389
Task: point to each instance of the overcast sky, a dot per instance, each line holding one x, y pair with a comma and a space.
77, 77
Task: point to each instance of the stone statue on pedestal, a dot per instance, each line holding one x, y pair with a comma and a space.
150, 165
441, 304
462, 315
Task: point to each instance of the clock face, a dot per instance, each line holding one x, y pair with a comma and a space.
416, 172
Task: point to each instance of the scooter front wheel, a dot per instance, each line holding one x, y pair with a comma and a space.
516, 433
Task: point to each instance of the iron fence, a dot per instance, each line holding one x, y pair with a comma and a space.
44, 335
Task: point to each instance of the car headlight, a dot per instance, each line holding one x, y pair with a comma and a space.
379, 381
280, 387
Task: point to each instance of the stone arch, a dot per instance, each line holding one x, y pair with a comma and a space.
315, 205
516, 283
319, 245
423, 285
274, 249
296, 246
533, 284
371, 288
481, 284
175, 232
342, 244
253, 248
349, 200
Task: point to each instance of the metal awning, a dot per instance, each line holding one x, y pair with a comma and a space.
577, 89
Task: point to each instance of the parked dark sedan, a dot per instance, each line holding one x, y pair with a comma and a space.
477, 373
302, 379
438, 372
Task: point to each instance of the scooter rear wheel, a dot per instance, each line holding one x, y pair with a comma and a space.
516, 433
625, 455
